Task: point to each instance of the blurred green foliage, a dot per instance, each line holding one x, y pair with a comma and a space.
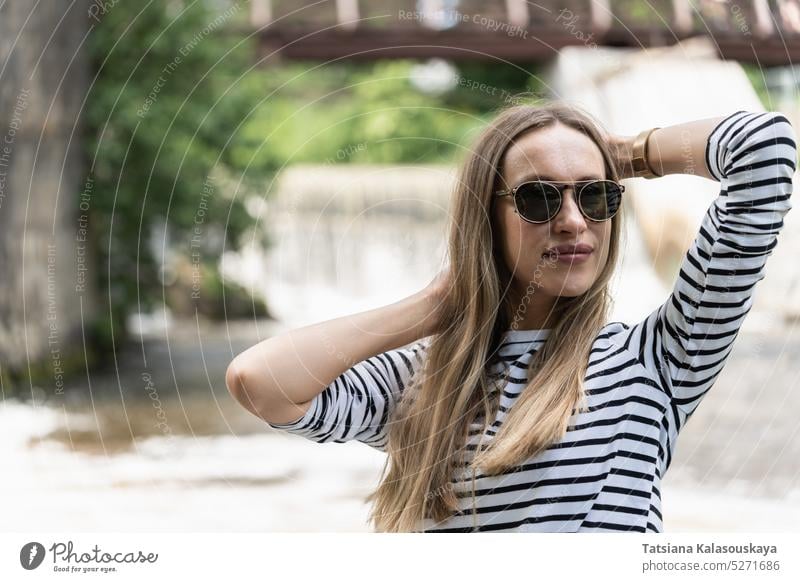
159, 115
315, 112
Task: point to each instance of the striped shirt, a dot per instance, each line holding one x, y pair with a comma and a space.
643, 381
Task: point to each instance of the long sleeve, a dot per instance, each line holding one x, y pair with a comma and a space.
359, 403
687, 340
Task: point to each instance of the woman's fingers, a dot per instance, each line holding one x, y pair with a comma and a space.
621, 148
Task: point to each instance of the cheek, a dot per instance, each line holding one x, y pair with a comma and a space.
509, 237
523, 243
603, 238
515, 239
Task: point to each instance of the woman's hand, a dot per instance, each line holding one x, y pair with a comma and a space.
621, 148
435, 295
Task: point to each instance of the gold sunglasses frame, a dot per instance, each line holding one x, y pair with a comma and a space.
560, 187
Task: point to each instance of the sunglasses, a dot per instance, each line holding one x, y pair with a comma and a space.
539, 201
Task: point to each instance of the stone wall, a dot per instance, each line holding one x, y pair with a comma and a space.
43, 83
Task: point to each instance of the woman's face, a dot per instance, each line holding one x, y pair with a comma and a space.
563, 154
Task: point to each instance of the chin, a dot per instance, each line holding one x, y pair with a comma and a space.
566, 293
573, 288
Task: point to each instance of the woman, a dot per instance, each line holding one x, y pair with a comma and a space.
503, 397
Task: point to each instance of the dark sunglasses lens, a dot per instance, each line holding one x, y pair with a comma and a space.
537, 201
601, 200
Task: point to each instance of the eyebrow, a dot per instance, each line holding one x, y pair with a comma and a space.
550, 179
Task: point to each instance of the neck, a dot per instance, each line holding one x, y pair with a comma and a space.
536, 311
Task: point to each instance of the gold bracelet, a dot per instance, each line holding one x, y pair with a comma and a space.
640, 158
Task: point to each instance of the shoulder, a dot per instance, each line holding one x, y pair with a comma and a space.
611, 329
612, 334
414, 353
419, 347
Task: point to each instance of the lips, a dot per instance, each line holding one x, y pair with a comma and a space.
562, 250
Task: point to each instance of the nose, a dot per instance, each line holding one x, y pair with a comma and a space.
569, 217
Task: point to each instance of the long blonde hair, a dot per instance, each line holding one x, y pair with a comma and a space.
429, 429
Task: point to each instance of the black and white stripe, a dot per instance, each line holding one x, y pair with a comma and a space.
643, 381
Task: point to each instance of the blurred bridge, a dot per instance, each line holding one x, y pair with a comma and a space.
765, 32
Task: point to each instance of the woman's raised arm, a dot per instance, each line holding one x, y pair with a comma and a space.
675, 149
277, 378
688, 339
